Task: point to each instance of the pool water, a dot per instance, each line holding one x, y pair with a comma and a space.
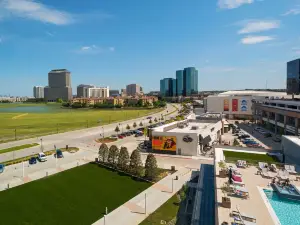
287, 211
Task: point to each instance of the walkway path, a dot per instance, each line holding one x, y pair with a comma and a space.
134, 211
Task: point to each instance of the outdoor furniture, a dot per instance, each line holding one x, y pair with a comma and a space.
238, 183
239, 191
273, 168
290, 169
283, 175
237, 215
226, 202
241, 164
265, 173
262, 165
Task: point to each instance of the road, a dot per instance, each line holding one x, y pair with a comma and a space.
74, 138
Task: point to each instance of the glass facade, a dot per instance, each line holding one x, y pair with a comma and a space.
293, 77
179, 80
190, 81
168, 87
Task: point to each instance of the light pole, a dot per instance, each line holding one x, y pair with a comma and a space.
15, 134
42, 149
121, 127
103, 131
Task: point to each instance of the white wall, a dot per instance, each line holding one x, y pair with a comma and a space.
291, 151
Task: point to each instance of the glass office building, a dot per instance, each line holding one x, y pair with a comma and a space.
293, 77
190, 81
179, 81
168, 87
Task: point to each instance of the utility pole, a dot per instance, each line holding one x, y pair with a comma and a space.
15, 134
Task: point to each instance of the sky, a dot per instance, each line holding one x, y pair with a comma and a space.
234, 44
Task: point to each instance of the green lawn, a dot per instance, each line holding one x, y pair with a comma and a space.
76, 196
16, 148
33, 124
166, 212
249, 157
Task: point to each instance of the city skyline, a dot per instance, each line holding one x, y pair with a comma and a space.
232, 44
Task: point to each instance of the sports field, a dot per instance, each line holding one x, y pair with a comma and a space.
76, 196
24, 121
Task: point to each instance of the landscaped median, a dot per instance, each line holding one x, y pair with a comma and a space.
106, 140
19, 160
17, 148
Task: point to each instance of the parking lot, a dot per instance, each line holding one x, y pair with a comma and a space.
268, 141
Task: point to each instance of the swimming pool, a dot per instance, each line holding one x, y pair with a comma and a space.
287, 211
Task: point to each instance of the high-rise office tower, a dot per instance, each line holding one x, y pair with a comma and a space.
293, 77
179, 82
133, 89
96, 92
114, 93
168, 87
59, 86
80, 89
190, 81
38, 92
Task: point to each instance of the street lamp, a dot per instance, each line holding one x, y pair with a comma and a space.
103, 131
42, 149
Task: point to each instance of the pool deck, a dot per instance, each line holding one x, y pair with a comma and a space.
255, 205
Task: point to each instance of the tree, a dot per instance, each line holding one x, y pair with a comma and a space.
117, 130
150, 121
134, 125
141, 124
113, 155
103, 152
59, 100
151, 167
155, 120
135, 164
128, 127
139, 103
123, 159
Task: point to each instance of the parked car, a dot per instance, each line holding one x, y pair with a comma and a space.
138, 134
59, 154
149, 117
257, 128
267, 135
276, 139
42, 157
120, 136
128, 134
113, 136
1, 168
32, 160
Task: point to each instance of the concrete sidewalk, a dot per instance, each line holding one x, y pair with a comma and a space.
133, 211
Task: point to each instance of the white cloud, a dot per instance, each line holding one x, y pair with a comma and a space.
49, 34
294, 11
94, 49
250, 40
31, 9
259, 26
85, 48
231, 4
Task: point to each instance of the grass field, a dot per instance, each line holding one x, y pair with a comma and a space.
16, 148
31, 124
166, 212
249, 157
76, 196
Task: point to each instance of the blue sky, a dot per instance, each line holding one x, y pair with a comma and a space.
235, 44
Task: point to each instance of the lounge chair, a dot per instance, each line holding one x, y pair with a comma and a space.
241, 164
239, 183
290, 169
265, 173
238, 216
283, 175
262, 165
273, 168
